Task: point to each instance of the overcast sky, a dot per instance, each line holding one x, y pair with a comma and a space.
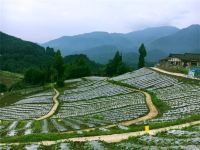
43, 20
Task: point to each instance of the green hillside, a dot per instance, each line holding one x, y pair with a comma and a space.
8, 78
17, 55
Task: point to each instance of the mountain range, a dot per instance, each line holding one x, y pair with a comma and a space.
159, 42
17, 54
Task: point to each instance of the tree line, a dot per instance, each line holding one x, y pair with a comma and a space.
58, 71
75, 66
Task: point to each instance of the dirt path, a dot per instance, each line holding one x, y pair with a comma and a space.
119, 137
113, 137
153, 112
53, 109
173, 73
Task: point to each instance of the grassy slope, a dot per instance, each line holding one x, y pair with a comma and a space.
11, 97
9, 78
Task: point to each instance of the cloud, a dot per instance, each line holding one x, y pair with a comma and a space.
42, 20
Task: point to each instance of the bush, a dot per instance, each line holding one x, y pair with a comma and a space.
60, 83
34, 76
3, 87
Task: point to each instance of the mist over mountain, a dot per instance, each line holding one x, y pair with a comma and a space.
150, 34
77, 43
101, 46
185, 40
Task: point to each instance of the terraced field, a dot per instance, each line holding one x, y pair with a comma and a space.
102, 105
183, 98
92, 102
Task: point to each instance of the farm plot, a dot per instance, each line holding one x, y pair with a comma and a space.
96, 102
183, 98
30, 107
112, 109
93, 89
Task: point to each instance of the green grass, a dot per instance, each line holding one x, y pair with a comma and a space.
9, 78
176, 69
12, 97
37, 126
99, 117
161, 106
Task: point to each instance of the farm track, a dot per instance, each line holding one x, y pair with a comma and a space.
53, 109
123, 136
173, 73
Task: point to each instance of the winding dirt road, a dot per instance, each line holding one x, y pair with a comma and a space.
53, 109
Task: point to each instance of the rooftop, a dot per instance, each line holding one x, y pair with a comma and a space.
187, 56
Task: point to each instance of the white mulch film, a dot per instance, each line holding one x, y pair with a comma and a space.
95, 102
31, 107
183, 98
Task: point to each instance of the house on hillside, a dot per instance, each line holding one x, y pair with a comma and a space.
184, 60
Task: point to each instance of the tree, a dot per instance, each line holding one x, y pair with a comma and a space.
3, 87
58, 64
143, 53
78, 69
50, 51
116, 66
34, 76
122, 68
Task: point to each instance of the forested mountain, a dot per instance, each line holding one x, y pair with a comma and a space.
159, 41
78, 43
101, 54
17, 55
96, 40
185, 40
150, 34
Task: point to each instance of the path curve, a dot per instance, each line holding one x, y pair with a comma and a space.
153, 112
53, 109
173, 73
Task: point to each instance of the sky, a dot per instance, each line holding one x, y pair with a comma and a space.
43, 20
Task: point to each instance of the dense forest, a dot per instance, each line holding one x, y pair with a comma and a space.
17, 55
